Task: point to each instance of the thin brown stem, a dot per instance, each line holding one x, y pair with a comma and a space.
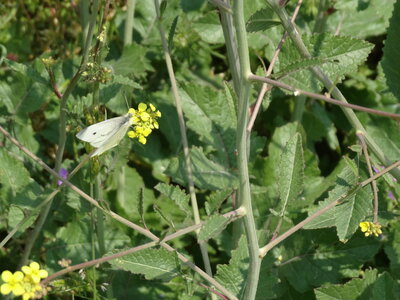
265, 88
117, 217
323, 98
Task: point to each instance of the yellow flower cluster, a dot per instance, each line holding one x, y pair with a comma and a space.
370, 228
25, 283
144, 120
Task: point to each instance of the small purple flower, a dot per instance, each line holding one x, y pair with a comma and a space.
64, 174
391, 196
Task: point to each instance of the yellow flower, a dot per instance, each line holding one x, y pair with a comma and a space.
370, 228
144, 121
34, 272
12, 283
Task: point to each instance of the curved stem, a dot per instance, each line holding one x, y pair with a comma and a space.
241, 145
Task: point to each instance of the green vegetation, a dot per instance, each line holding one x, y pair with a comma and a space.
263, 159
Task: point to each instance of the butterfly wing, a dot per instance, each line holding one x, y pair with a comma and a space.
113, 140
97, 134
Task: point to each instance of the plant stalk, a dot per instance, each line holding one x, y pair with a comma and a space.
182, 126
244, 194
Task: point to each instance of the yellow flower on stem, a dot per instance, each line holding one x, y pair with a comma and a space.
370, 228
12, 283
34, 271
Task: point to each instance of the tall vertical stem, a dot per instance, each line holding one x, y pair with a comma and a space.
182, 126
241, 144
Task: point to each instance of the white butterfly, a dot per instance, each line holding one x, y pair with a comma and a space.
107, 134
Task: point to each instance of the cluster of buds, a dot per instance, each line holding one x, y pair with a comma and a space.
370, 228
95, 73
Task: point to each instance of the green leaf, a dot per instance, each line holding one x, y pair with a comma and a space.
128, 183
305, 270
351, 290
233, 276
74, 240
209, 28
261, 20
212, 227
215, 199
157, 264
180, 198
132, 63
360, 22
172, 33
339, 56
206, 173
391, 52
386, 134
354, 210
191, 5
27, 71
291, 173
345, 183
370, 286
212, 116
13, 174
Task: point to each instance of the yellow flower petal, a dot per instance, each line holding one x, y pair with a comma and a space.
6, 276
27, 270
18, 276
43, 273
142, 107
5, 288
18, 290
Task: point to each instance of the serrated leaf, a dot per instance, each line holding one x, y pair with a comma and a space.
126, 81
133, 62
152, 263
354, 210
180, 198
164, 217
172, 33
13, 174
349, 291
233, 276
212, 227
340, 56
206, 173
291, 172
212, 116
261, 20
371, 286
345, 185
371, 20
215, 199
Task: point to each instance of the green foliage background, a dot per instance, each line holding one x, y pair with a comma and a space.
297, 164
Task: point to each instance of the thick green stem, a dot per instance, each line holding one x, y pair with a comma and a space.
329, 85
244, 195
